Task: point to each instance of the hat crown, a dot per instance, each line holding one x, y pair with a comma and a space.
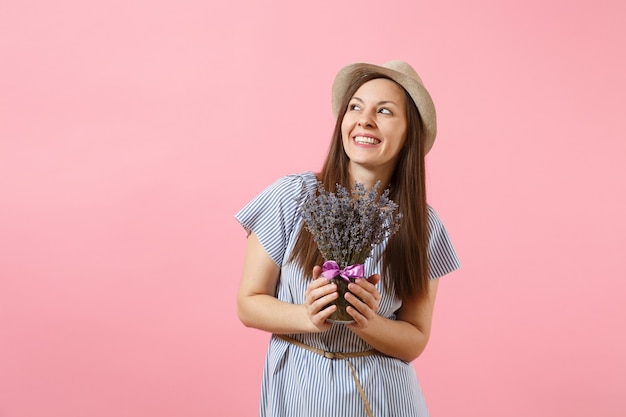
404, 69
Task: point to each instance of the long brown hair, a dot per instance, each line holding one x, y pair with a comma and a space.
405, 259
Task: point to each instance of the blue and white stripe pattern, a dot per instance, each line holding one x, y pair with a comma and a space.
297, 382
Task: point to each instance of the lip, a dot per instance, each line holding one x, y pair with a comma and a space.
365, 135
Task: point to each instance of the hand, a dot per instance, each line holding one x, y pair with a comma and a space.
365, 307
318, 294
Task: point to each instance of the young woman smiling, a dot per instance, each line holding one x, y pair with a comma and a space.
385, 125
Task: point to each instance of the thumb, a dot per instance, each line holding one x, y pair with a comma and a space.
373, 279
317, 271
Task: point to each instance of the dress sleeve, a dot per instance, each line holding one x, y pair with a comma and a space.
271, 215
441, 254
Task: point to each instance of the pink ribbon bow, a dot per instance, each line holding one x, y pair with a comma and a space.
330, 270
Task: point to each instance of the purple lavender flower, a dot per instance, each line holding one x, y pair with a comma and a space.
347, 225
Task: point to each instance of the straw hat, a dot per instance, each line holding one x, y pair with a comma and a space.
403, 74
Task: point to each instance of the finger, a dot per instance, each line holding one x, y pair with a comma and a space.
319, 283
319, 297
370, 286
364, 290
319, 288
322, 287
325, 313
359, 319
366, 304
319, 319
362, 308
318, 304
365, 284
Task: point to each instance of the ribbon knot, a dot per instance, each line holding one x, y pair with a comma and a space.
330, 269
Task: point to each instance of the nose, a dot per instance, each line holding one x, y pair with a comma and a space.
366, 120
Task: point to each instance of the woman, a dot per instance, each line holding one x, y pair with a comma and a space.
385, 125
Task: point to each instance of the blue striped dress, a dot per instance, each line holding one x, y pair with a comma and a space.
298, 382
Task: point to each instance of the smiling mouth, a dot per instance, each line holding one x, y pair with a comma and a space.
366, 140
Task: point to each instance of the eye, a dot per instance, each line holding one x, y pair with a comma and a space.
384, 110
354, 106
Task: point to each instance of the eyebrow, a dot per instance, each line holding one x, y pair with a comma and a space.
378, 104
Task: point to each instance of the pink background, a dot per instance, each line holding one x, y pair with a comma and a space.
132, 131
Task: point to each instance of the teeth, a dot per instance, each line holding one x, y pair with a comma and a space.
366, 140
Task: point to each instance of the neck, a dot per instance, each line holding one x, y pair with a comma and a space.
369, 178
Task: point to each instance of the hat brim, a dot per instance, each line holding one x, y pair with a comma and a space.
412, 84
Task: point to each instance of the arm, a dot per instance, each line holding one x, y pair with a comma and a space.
258, 307
404, 338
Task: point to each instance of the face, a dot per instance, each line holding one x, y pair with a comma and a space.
374, 127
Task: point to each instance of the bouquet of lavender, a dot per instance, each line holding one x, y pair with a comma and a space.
346, 226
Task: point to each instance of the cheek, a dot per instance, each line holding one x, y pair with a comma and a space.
402, 134
345, 130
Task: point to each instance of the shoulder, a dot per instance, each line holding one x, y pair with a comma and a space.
273, 214
303, 181
285, 193
434, 222
291, 187
442, 256
436, 228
